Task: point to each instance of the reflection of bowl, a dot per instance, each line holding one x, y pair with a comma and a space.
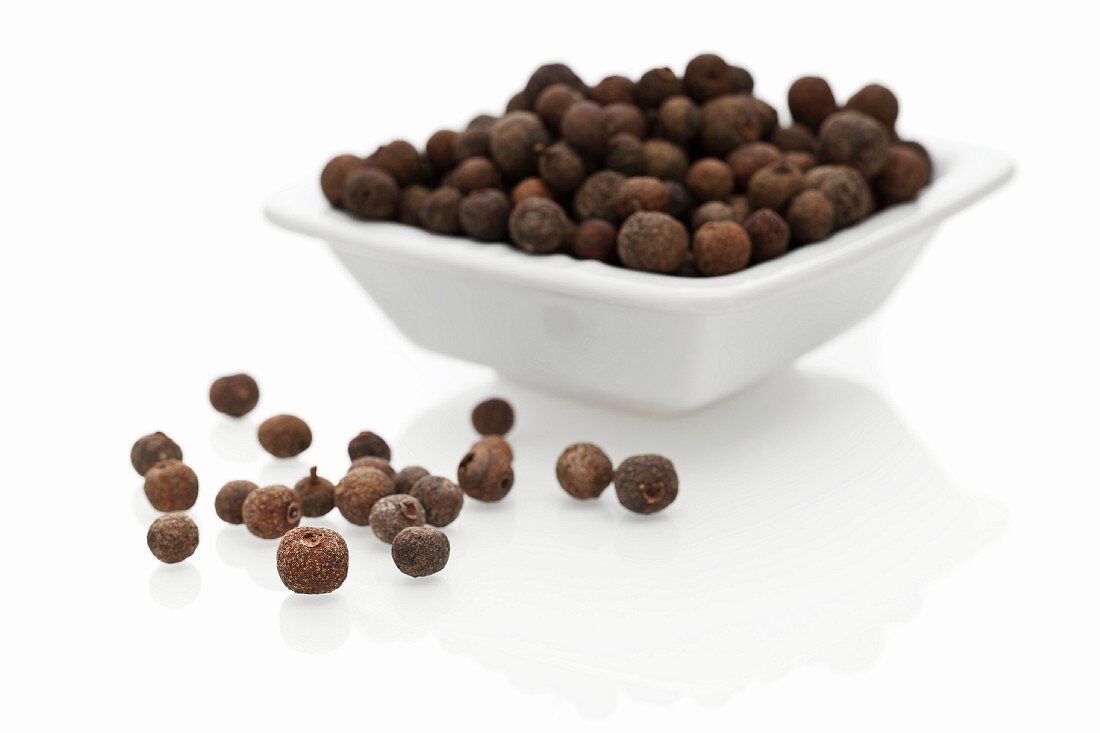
648, 341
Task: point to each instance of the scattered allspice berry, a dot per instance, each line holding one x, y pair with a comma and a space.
530, 188
595, 199
905, 174
271, 511
496, 443
855, 139
493, 416
678, 119
335, 175
727, 122
770, 235
613, 89
553, 101
708, 76
539, 226
721, 247
774, 185
810, 216
748, 159
561, 168
474, 173
378, 462
594, 239
367, 443
312, 560
655, 86
584, 470
230, 500
317, 494
398, 158
358, 491
811, 101
234, 395
485, 473
151, 449
440, 150
640, 193
709, 179
483, 215
371, 193
420, 551
625, 154
439, 213
652, 242
878, 102
406, 478
584, 126
284, 436
846, 189
441, 499
646, 484
621, 117
393, 513
171, 486
173, 537
665, 160
515, 141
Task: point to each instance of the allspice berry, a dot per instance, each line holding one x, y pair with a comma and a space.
904, 175
594, 239
378, 462
640, 193
584, 126
653, 242
678, 119
420, 551
312, 560
709, 179
810, 216
561, 168
496, 443
680, 202
398, 158
727, 122
335, 174
774, 185
595, 199
515, 141
485, 473
622, 117
811, 100
711, 211
472, 141
230, 500
171, 486
613, 89
530, 188
440, 150
625, 154
794, 137
553, 101
846, 189
234, 395
646, 484
539, 226
371, 193
769, 233
665, 160
173, 537
441, 499
741, 208
151, 449
284, 436
584, 470
493, 416
747, 159
439, 214
271, 511
708, 76
412, 201
800, 159
393, 513
474, 173
406, 478
367, 443
655, 86
553, 73
855, 139
483, 215
878, 102
317, 494
358, 491
721, 247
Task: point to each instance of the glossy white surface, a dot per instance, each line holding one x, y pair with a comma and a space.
623, 337
897, 534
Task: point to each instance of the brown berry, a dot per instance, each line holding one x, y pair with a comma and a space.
595, 199
234, 395
904, 175
317, 494
530, 188
708, 76
474, 173
622, 117
741, 207
855, 139
539, 226
485, 473
594, 239
335, 175
230, 499
484, 215
721, 247
655, 86
646, 484
678, 119
371, 193
400, 159
664, 160
359, 490
769, 233
794, 137
774, 185
153, 448
711, 211
584, 470
441, 499
554, 101
800, 159
494, 416
312, 560
382, 464
412, 201
173, 537
406, 478
769, 117
271, 511
810, 216
440, 150
811, 100
515, 141
846, 189
439, 213
284, 436
625, 154
496, 443
640, 193
709, 179
747, 159
584, 126
393, 513
680, 202
420, 551
471, 142
727, 122
613, 89
171, 486
519, 101
367, 443
561, 168
653, 242
553, 73
878, 102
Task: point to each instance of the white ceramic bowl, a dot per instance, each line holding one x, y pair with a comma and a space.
639, 340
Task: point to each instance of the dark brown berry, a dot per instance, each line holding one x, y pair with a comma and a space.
794, 137
272, 511
393, 513
335, 175
625, 154
653, 242
622, 117
412, 201
655, 86
708, 76
234, 395
769, 233
727, 122
495, 443
519, 101
359, 490
439, 213
371, 193
811, 100
646, 484
440, 150
484, 215
846, 189
554, 101
810, 216
561, 168
530, 188
171, 486
312, 560
400, 159
680, 202
640, 193
420, 551
741, 207
284, 436
665, 160
594, 239
595, 199
678, 119
406, 478
711, 211
721, 247
584, 126
471, 142
230, 499
613, 89
485, 473
367, 443
441, 499
769, 117
800, 159
173, 537
584, 471
317, 494
474, 173
878, 102
515, 141
539, 226
709, 179
494, 416
747, 159
904, 175
554, 73
855, 139
774, 185
153, 448
382, 464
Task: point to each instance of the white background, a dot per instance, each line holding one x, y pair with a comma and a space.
900, 533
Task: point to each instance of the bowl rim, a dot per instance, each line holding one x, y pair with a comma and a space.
964, 173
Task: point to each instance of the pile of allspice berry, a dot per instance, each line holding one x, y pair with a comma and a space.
404, 509
685, 175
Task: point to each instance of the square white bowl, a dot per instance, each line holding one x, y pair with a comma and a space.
640, 340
